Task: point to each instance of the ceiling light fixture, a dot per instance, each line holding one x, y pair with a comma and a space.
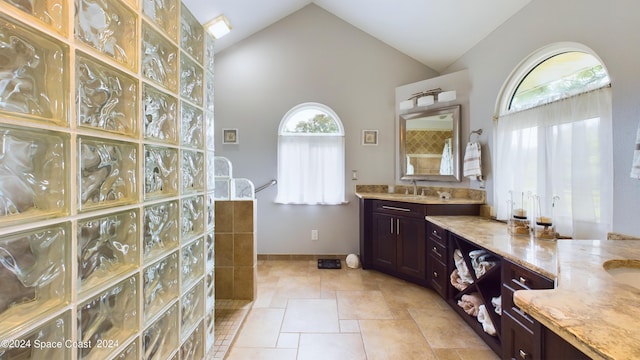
218, 27
428, 97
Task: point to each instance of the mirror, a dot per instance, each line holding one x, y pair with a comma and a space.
429, 145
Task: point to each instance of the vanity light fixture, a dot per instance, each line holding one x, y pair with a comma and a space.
218, 27
427, 98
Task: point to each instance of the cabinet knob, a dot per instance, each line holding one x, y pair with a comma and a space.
435, 232
523, 354
435, 274
523, 281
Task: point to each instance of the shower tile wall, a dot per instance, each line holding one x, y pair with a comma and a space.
236, 263
106, 208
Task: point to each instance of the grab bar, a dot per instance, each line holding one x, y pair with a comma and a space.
270, 183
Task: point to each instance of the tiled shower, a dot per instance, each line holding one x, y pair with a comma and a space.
106, 201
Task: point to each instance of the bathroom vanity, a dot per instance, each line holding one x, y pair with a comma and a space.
558, 299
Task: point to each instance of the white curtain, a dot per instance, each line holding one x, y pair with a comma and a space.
311, 169
563, 148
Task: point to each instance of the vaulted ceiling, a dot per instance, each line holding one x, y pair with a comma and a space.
434, 32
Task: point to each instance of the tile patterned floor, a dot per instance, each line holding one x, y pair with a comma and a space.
305, 313
229, 315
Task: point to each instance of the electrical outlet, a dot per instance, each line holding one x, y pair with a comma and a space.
314, 234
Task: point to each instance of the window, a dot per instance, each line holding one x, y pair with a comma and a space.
554, 139
311, 156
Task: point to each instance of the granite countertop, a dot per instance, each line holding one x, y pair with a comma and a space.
588, 308
417, 199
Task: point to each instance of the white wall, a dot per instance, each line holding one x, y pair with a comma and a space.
612, 30
310, 55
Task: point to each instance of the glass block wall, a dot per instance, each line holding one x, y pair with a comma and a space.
106, 204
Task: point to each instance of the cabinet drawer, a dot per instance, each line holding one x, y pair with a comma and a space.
437, 250
397, 208
519, 341
437, 274
520, 278
437, 234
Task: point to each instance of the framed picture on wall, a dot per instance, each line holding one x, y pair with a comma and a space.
369, 137
230, 136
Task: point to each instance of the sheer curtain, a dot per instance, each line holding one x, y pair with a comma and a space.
563, 148
311, 169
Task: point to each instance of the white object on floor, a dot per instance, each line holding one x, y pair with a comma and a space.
353, 261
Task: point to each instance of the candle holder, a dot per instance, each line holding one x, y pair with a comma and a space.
518, 223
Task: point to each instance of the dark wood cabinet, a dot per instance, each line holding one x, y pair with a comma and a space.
437, 259
521, 334
398, 240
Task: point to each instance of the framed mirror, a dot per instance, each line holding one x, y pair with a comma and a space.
430, 145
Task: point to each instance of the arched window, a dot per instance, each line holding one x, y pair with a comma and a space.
311, 156
554, 140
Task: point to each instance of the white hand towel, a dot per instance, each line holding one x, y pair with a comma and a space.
635, 167
473, 161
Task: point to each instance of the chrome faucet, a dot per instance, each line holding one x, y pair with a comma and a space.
415, 187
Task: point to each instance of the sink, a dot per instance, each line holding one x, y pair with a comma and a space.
624, 271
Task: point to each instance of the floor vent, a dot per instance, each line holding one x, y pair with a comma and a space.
329, 264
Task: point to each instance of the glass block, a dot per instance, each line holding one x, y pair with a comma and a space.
192, 264
192, 218
163, 13
33, 177
109, 27
191, 35
192, 308
211, 176
108, 320
161, 338
50, 12
57, 330
160, 172
223, 189
243, 189
107, 174
129, 353
210, 132
107, 99
209, 53
192, 120
34, 74
160, 228
192, 171
211, 291
210, 250
107, 246
159, 59
160, 115
160, 285
209, 93
193, 346
223, 167
211, 211
33, 274
210, 331
191, 80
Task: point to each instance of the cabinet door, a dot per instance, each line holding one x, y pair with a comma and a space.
412, 256
383, 241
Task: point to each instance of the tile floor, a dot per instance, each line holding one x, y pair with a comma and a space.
305, 313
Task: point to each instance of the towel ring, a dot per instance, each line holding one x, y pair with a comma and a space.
478, 132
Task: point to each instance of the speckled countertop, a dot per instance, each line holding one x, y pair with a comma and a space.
417, 199
588, 308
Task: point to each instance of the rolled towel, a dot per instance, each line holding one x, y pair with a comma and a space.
497, 304
470, 303
456, 281
463, 271
485, 320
